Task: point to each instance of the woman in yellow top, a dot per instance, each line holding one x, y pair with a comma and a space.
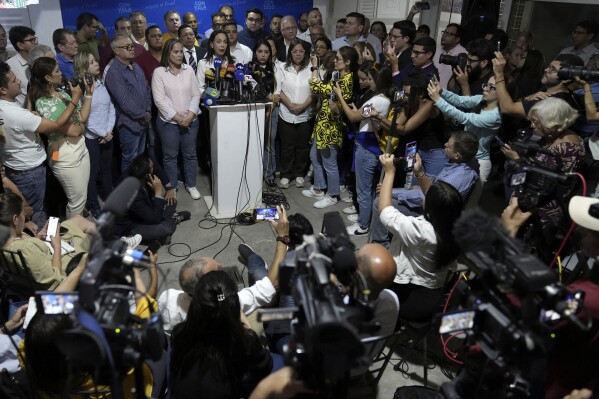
328, 129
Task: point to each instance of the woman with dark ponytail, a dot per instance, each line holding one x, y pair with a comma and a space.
214, 354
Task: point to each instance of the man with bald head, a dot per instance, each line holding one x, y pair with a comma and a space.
314, 19
378, 267
174, 304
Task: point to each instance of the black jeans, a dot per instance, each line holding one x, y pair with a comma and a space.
295, 148
160, 231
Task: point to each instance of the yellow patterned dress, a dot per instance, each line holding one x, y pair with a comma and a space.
329, 127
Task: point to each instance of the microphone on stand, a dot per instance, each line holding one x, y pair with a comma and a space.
211, 94
218, 63
228, 80
240, 77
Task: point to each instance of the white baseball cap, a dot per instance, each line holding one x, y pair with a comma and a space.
582, 214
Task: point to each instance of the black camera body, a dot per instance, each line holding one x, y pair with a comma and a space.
570, 72
460, 60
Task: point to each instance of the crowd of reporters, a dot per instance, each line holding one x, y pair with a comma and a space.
337, 116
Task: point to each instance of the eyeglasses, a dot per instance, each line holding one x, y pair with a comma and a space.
320, 47
298, 52
31, 40
128, 47
488, 86
289, 29
417, 53
448, 33
579, 32
254, 20
395, 37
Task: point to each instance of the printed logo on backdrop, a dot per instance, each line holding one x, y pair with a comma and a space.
269, 5
124, 8
200, 6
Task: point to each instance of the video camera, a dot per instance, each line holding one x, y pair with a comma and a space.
106, 336
535, 180
507, 311
325, 327
460, 60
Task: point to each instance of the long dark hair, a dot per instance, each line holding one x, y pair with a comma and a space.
418, 91
263, 42
292, 45
40, 87
350, 54
212, 336
210, 53
384, 82
442, 207
10, 205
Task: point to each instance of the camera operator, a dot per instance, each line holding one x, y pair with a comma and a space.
423, 247
554, 86
574, 358
478, 69
591, 92
551, 119
450, 45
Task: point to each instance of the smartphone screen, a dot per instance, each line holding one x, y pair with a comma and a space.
571, 305
56, 303
51, 230
457, 322
261, 214
423, 5
410, 154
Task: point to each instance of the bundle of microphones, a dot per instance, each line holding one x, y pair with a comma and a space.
235, 83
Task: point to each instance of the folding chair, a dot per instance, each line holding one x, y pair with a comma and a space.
380, 351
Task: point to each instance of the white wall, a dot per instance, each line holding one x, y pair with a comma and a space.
45, 18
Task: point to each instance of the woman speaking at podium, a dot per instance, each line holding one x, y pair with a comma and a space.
218, 49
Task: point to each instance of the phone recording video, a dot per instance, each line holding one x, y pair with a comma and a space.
410, 155
261, 214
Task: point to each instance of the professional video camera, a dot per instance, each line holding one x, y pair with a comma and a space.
535, 181
508, 312
325, 344
107, 337
460, 60
570, 72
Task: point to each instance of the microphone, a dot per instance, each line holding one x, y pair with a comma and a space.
240, 77
228, 79
334, 79
239, 66
117, 204
218, 63
210, 76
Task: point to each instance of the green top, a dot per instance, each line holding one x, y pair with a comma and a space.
90, 46
52, 107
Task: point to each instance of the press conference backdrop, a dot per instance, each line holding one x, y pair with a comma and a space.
108, 11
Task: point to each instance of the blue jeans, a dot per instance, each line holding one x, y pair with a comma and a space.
325, 160
378, 231
269, 158
365, 164
100, 161
175, 139
32, 184
433, 161
132, 144
256, 268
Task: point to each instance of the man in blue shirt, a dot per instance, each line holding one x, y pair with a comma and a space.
254, 31
66, 48
131, 96
460, 150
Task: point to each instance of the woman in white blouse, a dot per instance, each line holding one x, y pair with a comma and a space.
295, 114
177, 96
218, 47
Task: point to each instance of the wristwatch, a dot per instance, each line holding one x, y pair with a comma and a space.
284, 239
313, 68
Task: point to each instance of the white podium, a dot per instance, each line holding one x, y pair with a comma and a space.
237, 143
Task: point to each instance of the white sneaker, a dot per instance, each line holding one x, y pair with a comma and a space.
132, 241
284, 183
342, 189
353, 218
312, 193
195, 194
357, 230
348, 200
326, 201
299, 182
350, 210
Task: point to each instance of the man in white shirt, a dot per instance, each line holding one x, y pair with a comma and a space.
192, 54
354, 32
23, 39
174, 304
450, 45
139, 24
24, 153
582, 36
314, 19
240, 52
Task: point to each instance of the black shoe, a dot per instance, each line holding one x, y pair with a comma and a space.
181, 216
271, 183
245, 251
